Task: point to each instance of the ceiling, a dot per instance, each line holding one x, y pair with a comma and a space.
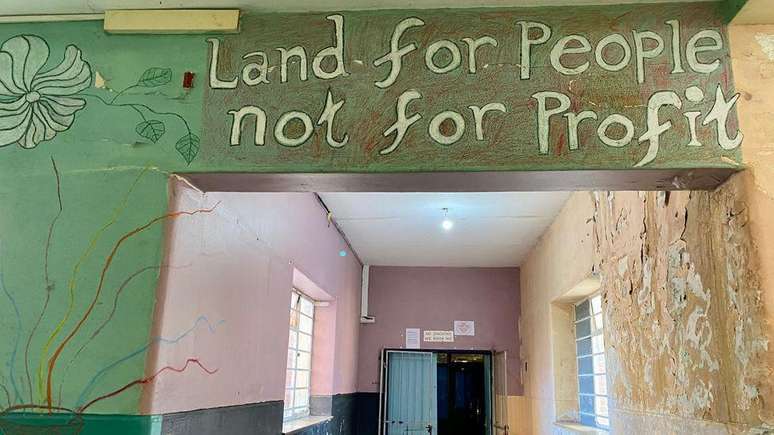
404, 229
27, 7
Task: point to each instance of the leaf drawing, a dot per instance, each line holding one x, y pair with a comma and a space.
188, 147
155, 76
151, 129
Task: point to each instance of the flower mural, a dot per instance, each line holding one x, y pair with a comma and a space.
35, 105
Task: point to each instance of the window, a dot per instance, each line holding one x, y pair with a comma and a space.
592, 373
297, 380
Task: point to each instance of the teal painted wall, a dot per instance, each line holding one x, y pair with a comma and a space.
110, 184
76, 424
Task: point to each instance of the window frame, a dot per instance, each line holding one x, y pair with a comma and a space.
291, 411
596, 328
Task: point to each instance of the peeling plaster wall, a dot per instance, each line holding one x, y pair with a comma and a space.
687, 345
683, 306
752, 50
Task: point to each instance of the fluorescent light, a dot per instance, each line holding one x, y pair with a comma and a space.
172, 21
447, 224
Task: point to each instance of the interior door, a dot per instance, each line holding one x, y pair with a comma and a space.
500, 370
411, 395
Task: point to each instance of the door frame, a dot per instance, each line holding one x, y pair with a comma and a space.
384, 377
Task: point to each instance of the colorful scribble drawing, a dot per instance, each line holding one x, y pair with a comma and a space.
35, 106
23, 393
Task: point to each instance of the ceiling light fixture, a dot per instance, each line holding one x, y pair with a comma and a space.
447, 223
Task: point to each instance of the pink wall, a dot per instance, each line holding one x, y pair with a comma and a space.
432, 298
228, 282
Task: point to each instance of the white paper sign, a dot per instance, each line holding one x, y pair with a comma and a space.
412, 338
465, 327
439, 336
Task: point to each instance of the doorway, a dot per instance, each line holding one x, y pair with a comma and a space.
438, 392
464, 393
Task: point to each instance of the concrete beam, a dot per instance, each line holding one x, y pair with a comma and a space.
741, 12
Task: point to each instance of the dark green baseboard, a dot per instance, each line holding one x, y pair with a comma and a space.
79, 424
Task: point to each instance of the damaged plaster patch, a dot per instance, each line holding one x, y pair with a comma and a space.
99, 81
767, 44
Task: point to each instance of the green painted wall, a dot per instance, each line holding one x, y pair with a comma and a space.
95, 167
60, 256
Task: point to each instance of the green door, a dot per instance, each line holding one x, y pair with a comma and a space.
411, 396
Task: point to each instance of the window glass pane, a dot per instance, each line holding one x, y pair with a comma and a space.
294, 297
291, 359
587, 404
583, 328
307, 307
305, 342
299, 361
600, 404
598, 322
598, 344
599, 363
586, 384
288, 398
302, 397
302, 379
305, 325
600, 384
588, 420
584, 347
290, 379
596, 304
592, 377
582, 310
304, 360
585, 366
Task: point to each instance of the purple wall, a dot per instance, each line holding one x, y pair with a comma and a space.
228, 283
432, 298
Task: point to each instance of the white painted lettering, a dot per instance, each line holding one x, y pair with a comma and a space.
402, 124
693, 49
655, 127
336, 51
473, 45
620, 120
641, 53
255, 73
215, 82
527, 43
478, 116
397, 52
432, 50
327, 117
719, 114
298, 52
236, 124
435, 127
544, 115
282, 122
561, 48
